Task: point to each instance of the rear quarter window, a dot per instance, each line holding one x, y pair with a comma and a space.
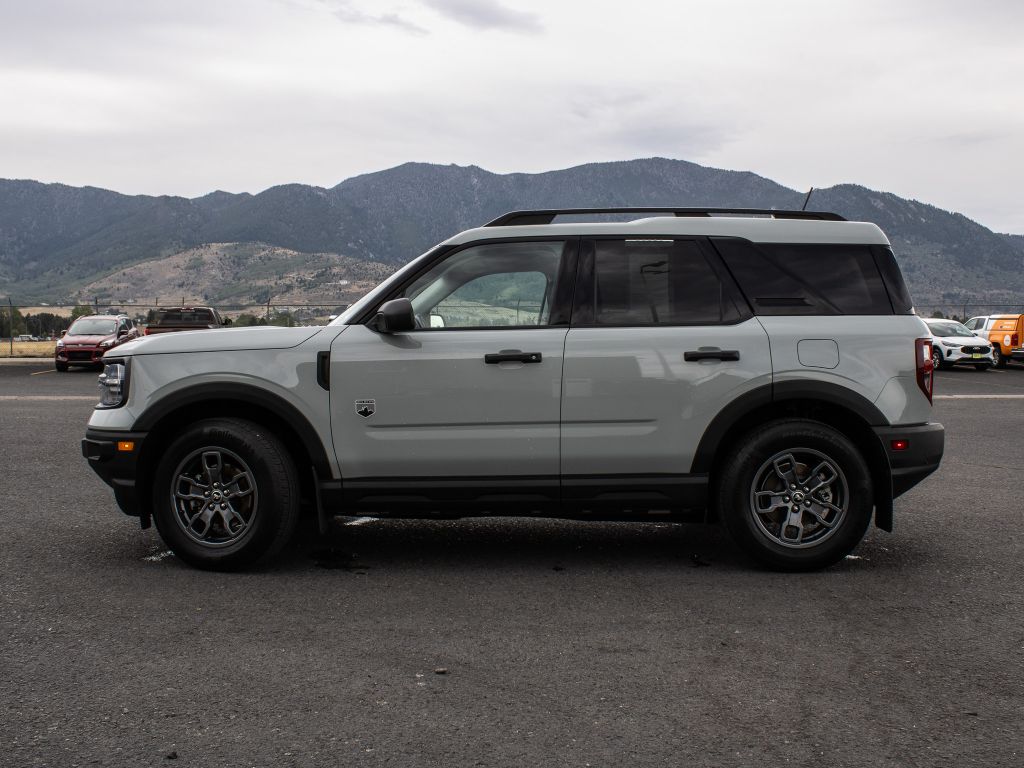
808, 278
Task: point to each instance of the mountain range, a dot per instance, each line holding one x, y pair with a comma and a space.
58, 243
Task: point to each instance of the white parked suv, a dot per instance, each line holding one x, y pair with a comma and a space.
762, 369
953, 343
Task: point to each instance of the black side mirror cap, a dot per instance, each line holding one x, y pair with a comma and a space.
394, 316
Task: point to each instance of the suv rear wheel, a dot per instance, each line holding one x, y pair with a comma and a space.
796, 495
225, 494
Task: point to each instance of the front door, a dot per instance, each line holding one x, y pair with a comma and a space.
465, 407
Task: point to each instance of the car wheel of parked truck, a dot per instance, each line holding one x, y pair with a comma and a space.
225, 494
796, 495
997, 356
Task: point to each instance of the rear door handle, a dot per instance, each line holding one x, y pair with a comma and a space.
728, 355
512, 356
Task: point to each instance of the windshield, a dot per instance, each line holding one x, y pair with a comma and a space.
91, 326
949, 328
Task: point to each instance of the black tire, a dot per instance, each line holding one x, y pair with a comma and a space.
61, 367
997, 357
982, 366
751, 475
252, 511
937, 360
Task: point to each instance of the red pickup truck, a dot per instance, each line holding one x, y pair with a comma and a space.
185, 319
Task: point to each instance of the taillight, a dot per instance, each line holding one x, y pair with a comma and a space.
925, 366
145, 331
1013, 340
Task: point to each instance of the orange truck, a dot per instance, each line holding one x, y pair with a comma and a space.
1006, 334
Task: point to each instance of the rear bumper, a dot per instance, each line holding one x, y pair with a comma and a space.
1017, 354
116, 467
921, 456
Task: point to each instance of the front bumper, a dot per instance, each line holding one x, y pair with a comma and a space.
109, 456
957, 355
80, 355
920, 457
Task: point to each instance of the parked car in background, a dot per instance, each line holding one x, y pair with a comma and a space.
1006, 334
89, 337
953, 344
979, 325
185, 319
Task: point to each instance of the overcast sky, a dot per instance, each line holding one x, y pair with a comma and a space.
923, 98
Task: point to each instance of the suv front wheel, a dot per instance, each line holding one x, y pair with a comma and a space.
225, 494
796, 495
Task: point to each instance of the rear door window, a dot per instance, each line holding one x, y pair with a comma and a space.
806, 279
653, 281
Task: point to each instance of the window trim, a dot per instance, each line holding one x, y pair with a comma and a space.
583, 312
561, 298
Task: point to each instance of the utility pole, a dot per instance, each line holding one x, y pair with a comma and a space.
10, 307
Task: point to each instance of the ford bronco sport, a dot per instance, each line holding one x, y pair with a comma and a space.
762, 369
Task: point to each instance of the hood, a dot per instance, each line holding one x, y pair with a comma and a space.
90, 341
963, 341
219, 340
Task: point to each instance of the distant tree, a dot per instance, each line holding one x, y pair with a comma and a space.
245, 319
81, 310
278, 317
10, 316
938, 314
46, 324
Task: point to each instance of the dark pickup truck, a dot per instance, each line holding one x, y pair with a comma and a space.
185, 319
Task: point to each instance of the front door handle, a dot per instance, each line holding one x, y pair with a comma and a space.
711, 353
512, 356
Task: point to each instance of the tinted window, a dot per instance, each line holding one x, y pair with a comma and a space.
657, 281
806, 279
506, 285
899, 294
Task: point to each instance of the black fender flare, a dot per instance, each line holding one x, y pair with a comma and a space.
241, 394
771, 396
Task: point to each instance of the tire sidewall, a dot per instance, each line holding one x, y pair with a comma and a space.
275, 486
757, 447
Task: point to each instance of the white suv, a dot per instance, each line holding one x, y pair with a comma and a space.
763, 369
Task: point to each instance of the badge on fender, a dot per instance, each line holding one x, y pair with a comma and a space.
365, 408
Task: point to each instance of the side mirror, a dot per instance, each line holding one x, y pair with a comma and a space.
63, 333
395, 315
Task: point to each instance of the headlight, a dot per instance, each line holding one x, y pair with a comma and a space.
949, 344
107, 344
60, 344
113, 385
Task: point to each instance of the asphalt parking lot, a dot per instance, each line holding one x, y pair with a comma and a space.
561, 643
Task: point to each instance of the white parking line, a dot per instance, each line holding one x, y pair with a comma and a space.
49, 397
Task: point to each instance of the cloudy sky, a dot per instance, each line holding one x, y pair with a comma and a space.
924, 98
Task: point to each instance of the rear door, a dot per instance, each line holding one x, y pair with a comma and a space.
660, 343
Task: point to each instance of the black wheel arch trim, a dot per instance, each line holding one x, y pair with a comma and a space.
722, 427
241, 393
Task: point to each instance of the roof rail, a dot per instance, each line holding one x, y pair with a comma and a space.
547, 215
